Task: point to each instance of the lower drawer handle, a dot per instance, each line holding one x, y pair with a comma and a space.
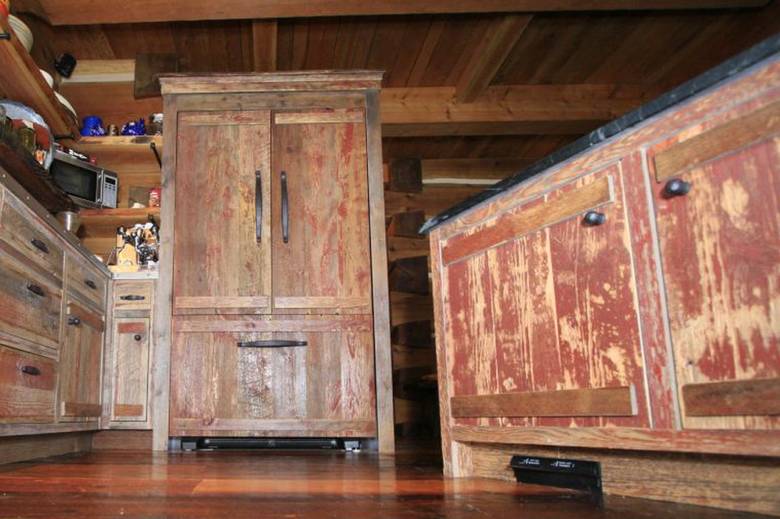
91, 284
74, 321
272, 344
35, 289
38, 244
132, 297
31, 370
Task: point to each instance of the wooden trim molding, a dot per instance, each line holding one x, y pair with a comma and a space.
349, 115
745, 443
184, 426
307, 302
128, 410
78, 409
353, 323
520, 222
733, 398
222, 302
611, 401
733, 135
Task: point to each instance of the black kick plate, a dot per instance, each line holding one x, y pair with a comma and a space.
554, 472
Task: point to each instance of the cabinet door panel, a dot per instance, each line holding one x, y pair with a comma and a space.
325, 388
222, 242
325, 265
130, 366
720, 248
552, 309
80, 364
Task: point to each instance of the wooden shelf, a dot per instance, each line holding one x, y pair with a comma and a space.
19, 164
109, 219
21, 80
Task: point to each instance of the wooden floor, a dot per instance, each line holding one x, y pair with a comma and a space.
285, 485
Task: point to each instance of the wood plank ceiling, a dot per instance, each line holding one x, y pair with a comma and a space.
481, 85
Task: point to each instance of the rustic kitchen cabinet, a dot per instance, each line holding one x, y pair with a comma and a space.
127, 389
277, 322
53, 299
621, 295
81, 363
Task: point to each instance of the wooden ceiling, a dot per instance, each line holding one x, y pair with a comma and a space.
457, 85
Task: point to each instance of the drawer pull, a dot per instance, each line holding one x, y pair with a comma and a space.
91, 284
35, 289
132, 297
38, 244
73, 320
272, 344
677, 187
31, 370
137, 337
594, 218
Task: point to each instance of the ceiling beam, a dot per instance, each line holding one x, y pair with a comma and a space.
264, 38
410, 112
506, 110
487, 57
82, 12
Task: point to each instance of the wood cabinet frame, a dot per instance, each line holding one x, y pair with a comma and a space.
296, 90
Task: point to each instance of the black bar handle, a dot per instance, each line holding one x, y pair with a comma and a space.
91, 284
132, 297
30, 370
38, 244
272, 343
73, 320
285, 210
258, 206
35, 289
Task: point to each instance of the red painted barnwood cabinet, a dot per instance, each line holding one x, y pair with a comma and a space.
626, 297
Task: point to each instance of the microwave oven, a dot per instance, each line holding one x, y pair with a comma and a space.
86, 184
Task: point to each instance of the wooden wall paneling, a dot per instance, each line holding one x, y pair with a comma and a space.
399, 247
432, 199
122, 440
409, 275
326, 263
712, 481
227, 149
406, 224
405, 175
161, 314
113, 102
719, 263
383, 362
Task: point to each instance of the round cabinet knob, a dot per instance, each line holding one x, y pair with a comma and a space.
74, 321
677, 187
594, 218
137, 337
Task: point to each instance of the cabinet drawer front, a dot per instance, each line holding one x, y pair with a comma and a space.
133, 295
86, 280
274, 383
20, 229
30, 307
26, 387
130, 365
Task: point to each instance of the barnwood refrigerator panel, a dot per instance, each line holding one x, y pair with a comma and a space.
277, 324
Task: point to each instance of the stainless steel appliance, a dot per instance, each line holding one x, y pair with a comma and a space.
88, 185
